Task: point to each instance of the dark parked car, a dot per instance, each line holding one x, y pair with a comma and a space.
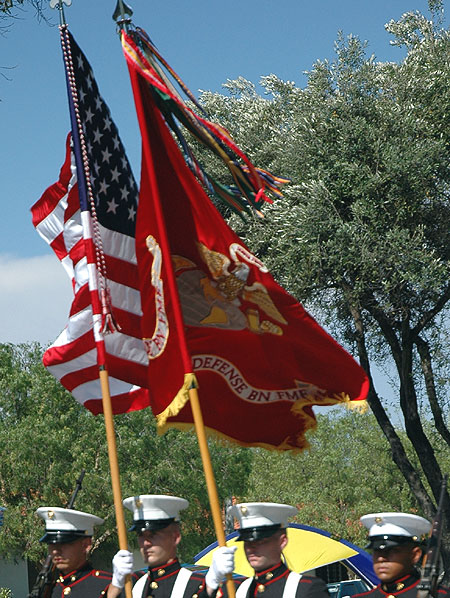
341, 589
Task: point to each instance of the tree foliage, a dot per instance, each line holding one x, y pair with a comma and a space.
362, 236
47, 438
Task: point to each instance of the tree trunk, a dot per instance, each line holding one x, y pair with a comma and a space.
413, 424
399, 455
408, 400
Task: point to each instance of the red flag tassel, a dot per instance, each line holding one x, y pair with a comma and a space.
109, 323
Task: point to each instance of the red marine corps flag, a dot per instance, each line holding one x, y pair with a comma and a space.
213, 316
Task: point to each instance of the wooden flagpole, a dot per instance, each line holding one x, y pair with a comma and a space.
114, 468
209, 477
103, 374
193, 394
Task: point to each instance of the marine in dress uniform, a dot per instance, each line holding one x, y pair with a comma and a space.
68, 534
262, 528
395, 541
156, 521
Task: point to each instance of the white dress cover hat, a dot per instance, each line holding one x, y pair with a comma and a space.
259, 520
66, 525
154, 511
391, 529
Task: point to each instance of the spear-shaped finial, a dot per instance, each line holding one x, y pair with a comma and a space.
122, 15
59, 5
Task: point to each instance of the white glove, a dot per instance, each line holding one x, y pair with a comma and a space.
222, 564
122, 566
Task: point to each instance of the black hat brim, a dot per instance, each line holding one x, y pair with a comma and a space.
389, 541
251, 534
152, 525
62, 537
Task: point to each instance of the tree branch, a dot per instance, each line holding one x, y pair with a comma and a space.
428, 374
431, 313
371, 305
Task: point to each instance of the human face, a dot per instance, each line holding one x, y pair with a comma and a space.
69, 556
265, 553
395, 562
160, 546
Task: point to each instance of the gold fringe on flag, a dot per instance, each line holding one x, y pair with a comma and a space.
179, 401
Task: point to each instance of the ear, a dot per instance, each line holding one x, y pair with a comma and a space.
283, 541
416, 554
87, 544
177, 536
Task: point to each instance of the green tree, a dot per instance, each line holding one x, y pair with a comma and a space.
362, 235
47, 438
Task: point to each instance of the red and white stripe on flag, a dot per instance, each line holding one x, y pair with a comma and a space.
73, 357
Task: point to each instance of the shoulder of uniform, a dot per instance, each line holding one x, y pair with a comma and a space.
101, 574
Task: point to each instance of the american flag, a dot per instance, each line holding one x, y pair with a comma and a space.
91, 242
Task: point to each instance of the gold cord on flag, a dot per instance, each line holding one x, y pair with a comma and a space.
108, 323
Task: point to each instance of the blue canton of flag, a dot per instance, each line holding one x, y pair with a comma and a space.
114, 187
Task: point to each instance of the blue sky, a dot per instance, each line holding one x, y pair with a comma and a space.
205, 41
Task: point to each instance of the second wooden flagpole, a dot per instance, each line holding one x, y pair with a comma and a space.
148, 163
209, 477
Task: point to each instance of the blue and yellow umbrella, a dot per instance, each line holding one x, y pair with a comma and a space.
308, 548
